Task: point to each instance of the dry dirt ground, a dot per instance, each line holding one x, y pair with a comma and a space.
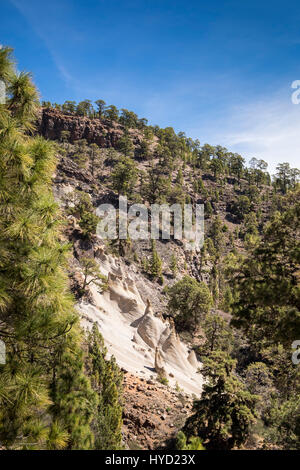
153, 413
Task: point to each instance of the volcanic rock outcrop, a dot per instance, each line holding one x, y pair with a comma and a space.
52, 122
142, 342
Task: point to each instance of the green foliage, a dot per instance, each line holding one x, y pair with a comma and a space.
64, 137
81, 156
277, 382
258, 378
46, 399
111, 113
189, 301
155, 186
284, 424
129, 119
198, 186
236, 165
208, 211
217, 333
223, 416
163, 380
96, 159
173, 265
216, 166
83, 209
155, 265
145, 265
85, 108
217, 234
256, 173
204, 155
193, 444
107, 381
124, 176
251, 224
69, 107
144, 151
126, 146
227, 300
92, 273
101, 107
285, 374
73, 397
6, 64
286, 177
253, 193
241, 207
267, 283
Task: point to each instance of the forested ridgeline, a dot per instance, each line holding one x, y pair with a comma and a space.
236, 302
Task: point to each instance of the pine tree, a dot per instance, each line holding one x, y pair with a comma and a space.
223, 416
266, 282
173, 265
155, 263
83, 209
208, 209
91, 273
46, 399
95, 158
189, 301
218, 335
107, 380
81, 154
126, 146
124, 176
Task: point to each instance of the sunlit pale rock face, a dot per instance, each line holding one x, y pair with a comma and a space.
141, 341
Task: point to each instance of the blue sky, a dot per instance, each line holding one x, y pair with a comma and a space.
221, 70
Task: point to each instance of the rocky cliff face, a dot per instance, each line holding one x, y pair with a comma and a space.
51, 123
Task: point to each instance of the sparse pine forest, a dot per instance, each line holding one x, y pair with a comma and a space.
235, 302
56, 388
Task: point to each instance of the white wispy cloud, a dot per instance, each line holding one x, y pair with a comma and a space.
28, 11
212, 107
268, 129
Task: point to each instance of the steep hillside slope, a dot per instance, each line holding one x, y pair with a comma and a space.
160, 345
141, 336
163, 354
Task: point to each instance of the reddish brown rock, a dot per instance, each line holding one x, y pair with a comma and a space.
51, 123
151, 419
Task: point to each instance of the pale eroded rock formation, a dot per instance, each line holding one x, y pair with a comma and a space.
142, 342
